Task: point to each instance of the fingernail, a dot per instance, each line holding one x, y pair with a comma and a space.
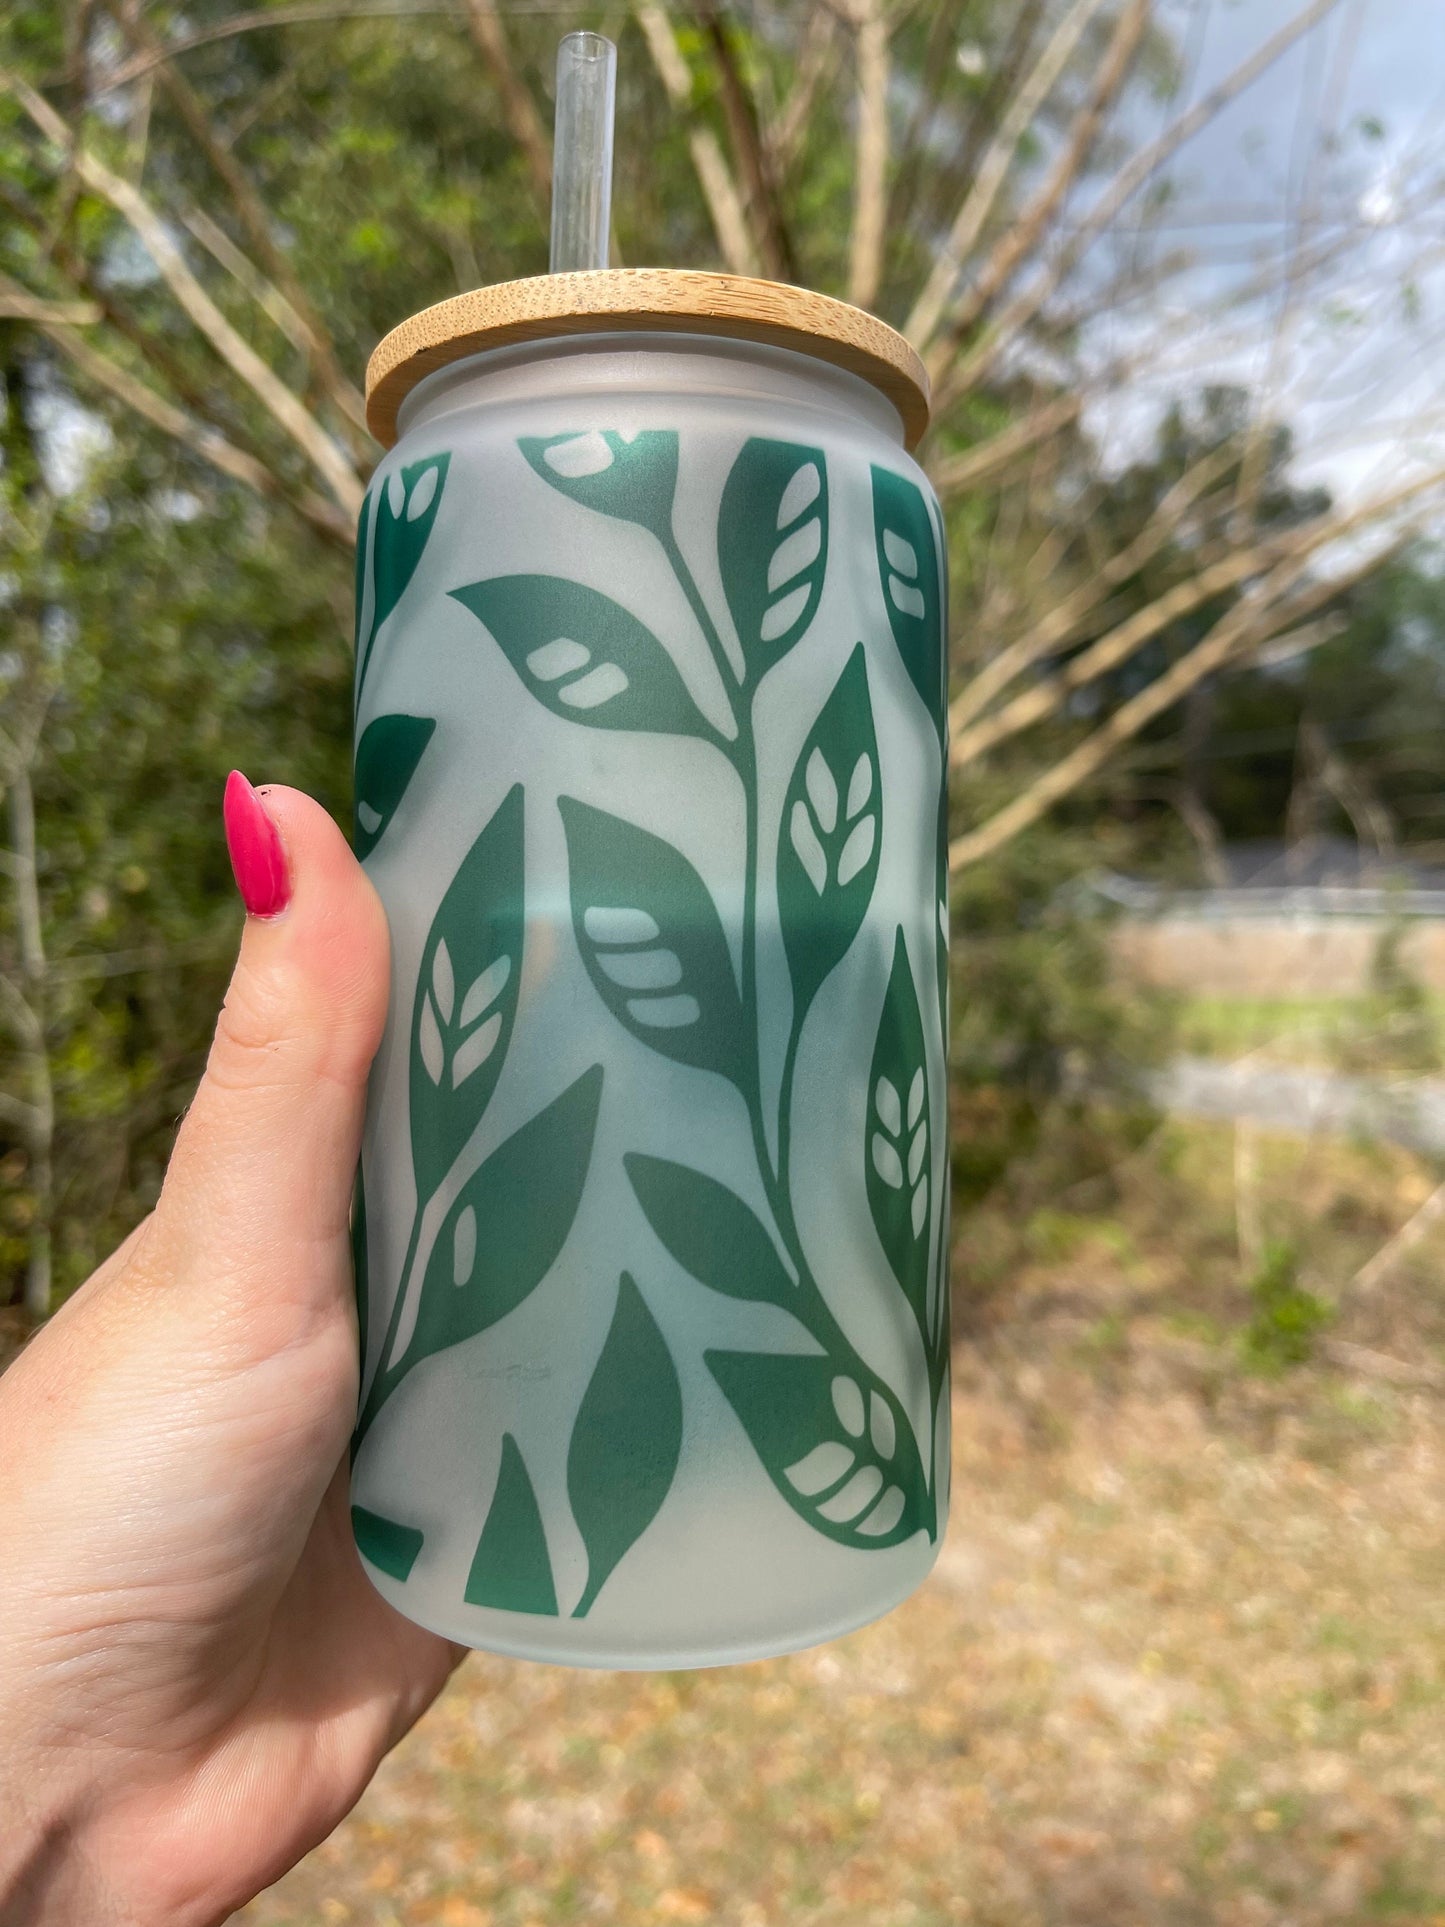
254, 842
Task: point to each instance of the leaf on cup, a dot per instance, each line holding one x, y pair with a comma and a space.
830, 836
908, 568
406, 501
772, 542
707, 1228
507, 1225
834, 1441
511, 1570
942, 907
626, 1441
898, 1146
363, 529
584, 656
652, 941
466, 996
383, 1543
632, 477
386, 759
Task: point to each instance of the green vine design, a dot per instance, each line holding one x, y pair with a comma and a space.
831, 1434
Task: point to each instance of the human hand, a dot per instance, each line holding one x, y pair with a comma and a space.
196, 1677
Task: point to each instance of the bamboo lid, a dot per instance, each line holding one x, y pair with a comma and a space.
668, 300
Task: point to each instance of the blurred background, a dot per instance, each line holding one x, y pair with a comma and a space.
1178, 271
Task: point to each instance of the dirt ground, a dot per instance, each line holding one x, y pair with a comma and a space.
1182, 1660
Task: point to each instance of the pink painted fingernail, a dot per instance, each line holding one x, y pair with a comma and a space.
257, 857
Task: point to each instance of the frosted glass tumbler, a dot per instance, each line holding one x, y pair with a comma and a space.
652, 1233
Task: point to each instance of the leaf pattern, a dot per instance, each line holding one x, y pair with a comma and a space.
830, 836
363, 529
941, 907
386, 758
898, 1150
631, 477
626, 1441
903, 533
708, 1229
772, 541
584, 656
834, 1441
406, 501
652, 941
506, 1226
466, 996
390, 1547
511, 1569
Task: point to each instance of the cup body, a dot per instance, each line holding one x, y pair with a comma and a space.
653, 1226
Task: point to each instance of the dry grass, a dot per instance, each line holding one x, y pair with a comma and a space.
1182, 1661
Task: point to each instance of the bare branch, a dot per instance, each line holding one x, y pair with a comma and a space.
816, 58
724, 204
1022, 234
1126, 183
1062, 622
1291, 551
201, 439
870, 184
17, 305
770, 230
952, 474
1256, 615
250, 211
1413, 1232
523, 121
286, 409
993, 171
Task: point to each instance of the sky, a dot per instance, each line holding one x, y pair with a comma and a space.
1344, 138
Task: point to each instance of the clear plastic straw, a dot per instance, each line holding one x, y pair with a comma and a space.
582, 152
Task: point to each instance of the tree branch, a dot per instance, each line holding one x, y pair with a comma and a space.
719, 190
1256, 616
286, 409
870, 183
524, 123
952, 474
1022, 234
250, 211
1292, 551
993, 171
201, 439
1126, 183
770, 230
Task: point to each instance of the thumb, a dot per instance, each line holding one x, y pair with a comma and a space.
259, 1188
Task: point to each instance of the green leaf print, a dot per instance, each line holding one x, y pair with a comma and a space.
511, 1569
390, 1547
830, 835
630, 477
507, 1225
466, 996
386, 760
652, 941
833, 1440
772, 542
708, 1229
941, 907
363, 529
912, 585
406, 507
898, 1147
584, 656
626, 1441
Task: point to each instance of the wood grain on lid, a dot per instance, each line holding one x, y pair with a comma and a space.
670, 300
